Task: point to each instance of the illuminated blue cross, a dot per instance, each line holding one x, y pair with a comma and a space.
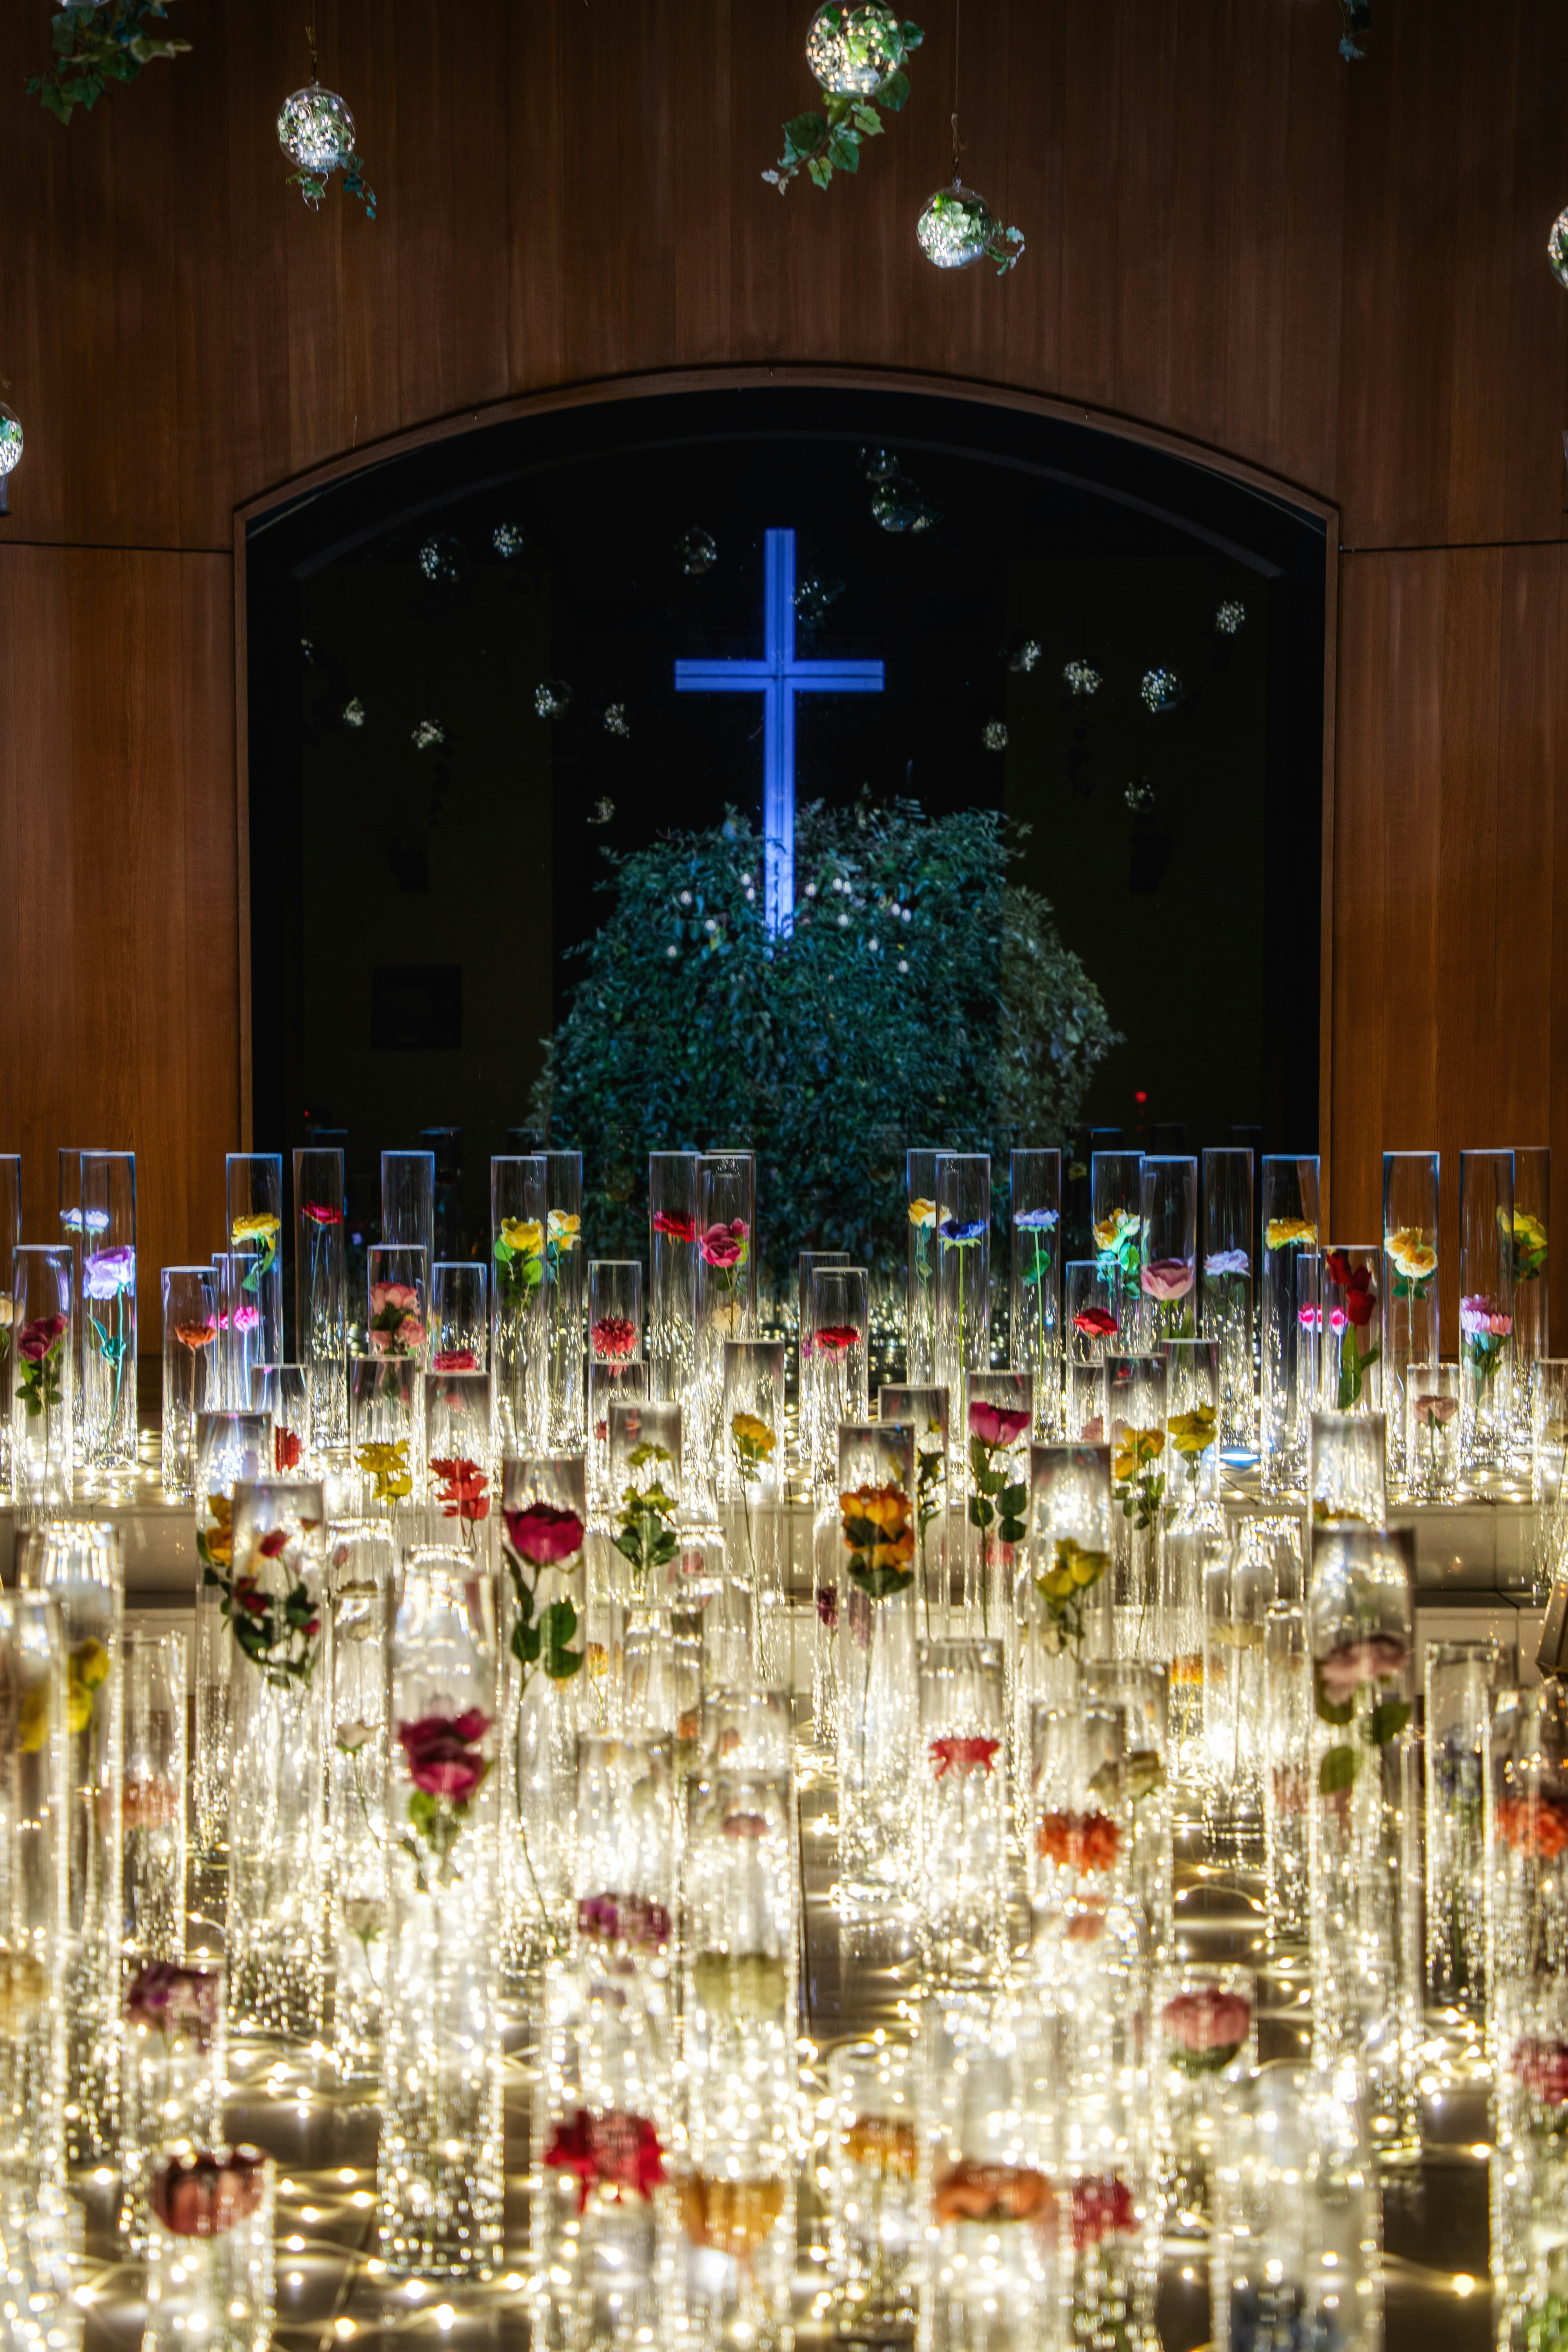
778, 678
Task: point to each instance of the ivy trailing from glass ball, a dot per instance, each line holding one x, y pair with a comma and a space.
858, 55
94, 45
316, 132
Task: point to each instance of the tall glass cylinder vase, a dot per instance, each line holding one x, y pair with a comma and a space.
1289, 1376
174, 2082
460, 1505
1168, 1250
998, 1414
361, 1580
919, 1294
70, 1238
154, 1801
519, 1329
753, 1486
10, 1237
1411, 1192
565, 1409
1228, 1240
189, 1360
876, 1662
109, 1315
1297, 2253
544, 1628
241, 1327
210, 2277
1063, 1594
1462, 1677
1287, 1719
1238, 1589
440, 2168
275, 1928
1527, 2003
726, 1291
1529, 1256
962, 1241
877, 2217
230, 1446
254, 1227
1090, 1314
408, 1202
615, 1310
1432, 1432
925, 1411
1351, 1327
1034, 1321
36, 1938
1205, 2016
1347, 1472
280, 1392
459, 1335
1194, 1377
81, 1568
838, 1353
1142, 1693
41, 1367
807, 1264
1364, 1860
1135, 1410
961, 1803
608, 1385
386, 1411
624, 1851
320, 1295
1116, 1197
672, 1274
1486, 1310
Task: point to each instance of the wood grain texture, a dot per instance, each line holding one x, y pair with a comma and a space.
1331, 273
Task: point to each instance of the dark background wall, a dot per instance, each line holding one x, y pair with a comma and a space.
1333, 273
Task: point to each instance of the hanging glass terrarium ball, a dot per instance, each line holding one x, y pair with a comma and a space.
316, 130
1557, 247
444, 560
10, 440
955, 227
853, 51
1161, 689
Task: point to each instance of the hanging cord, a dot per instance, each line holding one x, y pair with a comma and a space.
311, 37
957, 38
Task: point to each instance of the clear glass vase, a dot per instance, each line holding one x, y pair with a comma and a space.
440, 2164
80, 1566
10, 1235
1063, 1593
1350, 1328
754, 1487
520, 1348
565, 1407
1116, 1201
1205, 2016
672, 1275
876, 2217
254, 1229
1192, 1426
1297, 2254
153, 1804
998, 1414
174, 2079
1168, 1249
42, 1369
1528, 1262
876, 1662
1142, 1693
1238, 1591
960, 1800
1461, 1678
408, 1202
1090, 1329
230, 1446
1347, 1478
275, 1921
962, 1244
386, 1400
1034, 1319
461, 1506
38, 1942
210, 2279
808, 1263
1287, 1346
924, 1410
648, 1492
361, 1579
1135, 1409
1229, 1239
624, 1879
615, 1310
280, 1392
189, 1360
726, 1292
1549, 1475
459, 1316
544, 1629
1287, 1719
320, 1294
1411, 1193
1364, 1863
1486, 1311
1432, 1431
107, 1307
920, 1296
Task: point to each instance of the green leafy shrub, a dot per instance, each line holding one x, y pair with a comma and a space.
958, 1019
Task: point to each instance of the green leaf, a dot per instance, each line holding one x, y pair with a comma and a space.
1325, 1713
844, 150
1015, 1499
802, 134
867, 121
910, 34
821, 169
1389, 1718
894, 93
1337, 1771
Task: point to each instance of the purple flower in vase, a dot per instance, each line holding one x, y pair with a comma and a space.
827, 1606
1219, 1262
108, 1272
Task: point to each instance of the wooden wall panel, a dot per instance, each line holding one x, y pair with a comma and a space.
1332, 272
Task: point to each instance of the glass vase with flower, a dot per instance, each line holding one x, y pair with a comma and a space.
210, 2277
646, 1488
1139, 1470
807, 1264
1167, 1249
1089, 1313
320, 1293
37, 1923
1351, 1328
1460, 1679
190, 1358
919, 1296
1143, 1692
876, 2216
962, 1240
924, 1410
387, 1396
109, 1316
1116, 1203
241, 1328
280, 1392
998, 1416
544, 1626
439, 2174
563, 1258
1205, 2018
754, 1488
1528, 1254
43, 1468
10, 1235
1486, 1311
624, 1858
254, 1225
361, 1576
726, 1291
1297, 2244
876, 1660
1365, 1877
1347, 1482
1229, 1238
1431, 1432
271, 1593
519, 1330
1411, 1192
152, 1800
615, 1310
1287, 1357
458, 1338
672, 1275
1193, 1425
1034, 1320
1064, 1592
960, 1798
230, 1446
456, 1418
173, 2082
